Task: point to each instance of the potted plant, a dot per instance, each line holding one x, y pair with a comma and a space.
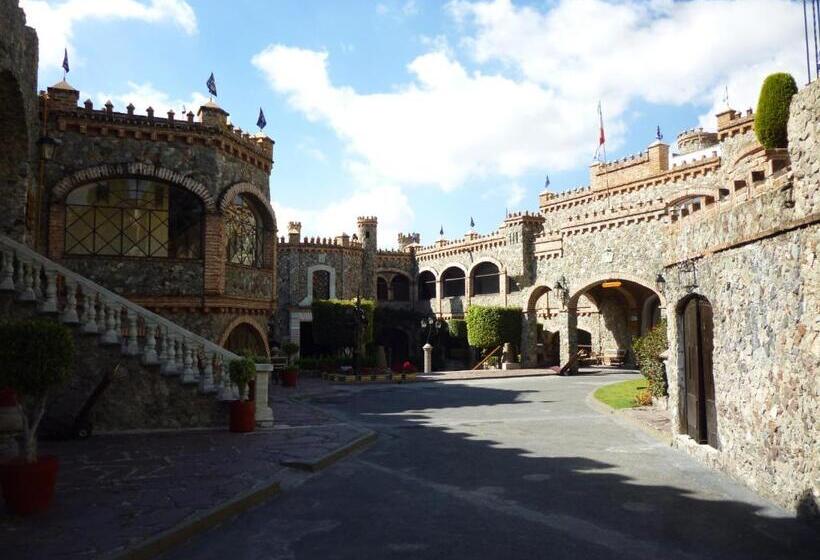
37, 357
243, 411
291, 374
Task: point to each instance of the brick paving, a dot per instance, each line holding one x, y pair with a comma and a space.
115, 491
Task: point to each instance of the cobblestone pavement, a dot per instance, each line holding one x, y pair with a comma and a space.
114, 491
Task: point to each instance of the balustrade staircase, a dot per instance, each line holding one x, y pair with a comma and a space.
92, 310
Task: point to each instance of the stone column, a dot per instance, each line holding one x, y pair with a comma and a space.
439, 295
428, 357
264, 414
529, 329
568, 329
214, 255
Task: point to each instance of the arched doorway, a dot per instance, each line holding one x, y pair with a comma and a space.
243, 339
699, 414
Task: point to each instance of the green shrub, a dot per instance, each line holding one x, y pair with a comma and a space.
648, 349
37, 357
333, 325
458, 329
241, 372
772, 114
488, 327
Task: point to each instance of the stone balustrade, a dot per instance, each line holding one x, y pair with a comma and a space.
154, 340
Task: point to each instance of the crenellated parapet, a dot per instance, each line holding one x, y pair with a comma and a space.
695, 139
731, 123
61, 104
339, 243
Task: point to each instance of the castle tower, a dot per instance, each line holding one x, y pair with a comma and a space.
294, 231
63, 97
368, 229
211, 114
408, 240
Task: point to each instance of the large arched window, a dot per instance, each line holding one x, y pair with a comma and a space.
485, 279
381, 289
427, 285
244, 233
453, 282
133, 217
400, 285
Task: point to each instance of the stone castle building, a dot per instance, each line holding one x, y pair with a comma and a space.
715, 234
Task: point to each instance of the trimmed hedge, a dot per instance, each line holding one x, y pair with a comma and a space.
333, 325
648, 349
457, 328
488, 327
772, 114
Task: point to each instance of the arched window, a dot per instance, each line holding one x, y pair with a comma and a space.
244, 233
401, 287
427, 286
132, 217
485, 279
381, 289
453, 282
321, 284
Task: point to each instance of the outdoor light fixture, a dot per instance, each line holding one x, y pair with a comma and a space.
47, 146
611, 284
660, 282
688, 274
430, 323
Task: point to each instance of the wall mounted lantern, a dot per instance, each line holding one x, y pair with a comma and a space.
47, 146
660, 282
688, 274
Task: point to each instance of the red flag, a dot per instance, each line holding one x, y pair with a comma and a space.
601, 139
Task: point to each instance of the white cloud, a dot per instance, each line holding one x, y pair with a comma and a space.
658, 51
55, 22
389, 203
442, 128
146, 95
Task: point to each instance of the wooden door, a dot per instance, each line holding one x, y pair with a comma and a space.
692, 369
707, 379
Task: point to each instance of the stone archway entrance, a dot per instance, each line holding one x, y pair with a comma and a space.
244, 338
699, 415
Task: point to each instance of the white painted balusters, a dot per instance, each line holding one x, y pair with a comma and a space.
7, 272
89, 312
206, 382
111, 334
149, 355
27, 287
70, 316
50, 303
132, 348
169, 367
188, 363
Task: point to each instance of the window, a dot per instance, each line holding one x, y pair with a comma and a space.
453, 282
133, 217
381, 289
485, 279
401, 287
321, 284
243, 230
427, 286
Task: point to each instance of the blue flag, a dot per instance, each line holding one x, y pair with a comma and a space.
547, 182
658, 134
472, 223
65, 61
211, 83
261, 122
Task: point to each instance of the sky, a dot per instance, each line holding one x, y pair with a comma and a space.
423, 113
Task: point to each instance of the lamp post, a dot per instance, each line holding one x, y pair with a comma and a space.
429, 323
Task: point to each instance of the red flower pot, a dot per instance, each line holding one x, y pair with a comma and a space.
243, 416
29, 487
289, 378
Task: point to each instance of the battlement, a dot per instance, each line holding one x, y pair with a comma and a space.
513, 218
653, 161
470, 242
695, 139
61, 102
731, 123
408, 240
324, 243
369, 220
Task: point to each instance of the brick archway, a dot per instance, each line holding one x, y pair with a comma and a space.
249, 323
134, 169
249, 188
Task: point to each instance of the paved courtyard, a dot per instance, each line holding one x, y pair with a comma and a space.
512, 468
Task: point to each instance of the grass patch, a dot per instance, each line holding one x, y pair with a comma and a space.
621, 394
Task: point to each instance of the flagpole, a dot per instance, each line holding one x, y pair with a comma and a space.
806, 35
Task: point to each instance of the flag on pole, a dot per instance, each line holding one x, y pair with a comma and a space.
601, 137
441, 231
261, 122
472, 223
65, 61
211, 83
658, 135
547, 182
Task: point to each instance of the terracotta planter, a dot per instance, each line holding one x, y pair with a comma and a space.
289, 378
243, 416
29, 487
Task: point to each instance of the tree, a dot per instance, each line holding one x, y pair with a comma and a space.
334, 323
488, 327
772, 116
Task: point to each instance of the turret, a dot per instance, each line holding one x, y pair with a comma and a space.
294, 232
63, 97
368, 229
211, 114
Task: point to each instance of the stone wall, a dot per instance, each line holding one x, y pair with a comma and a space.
142, 277
18, 121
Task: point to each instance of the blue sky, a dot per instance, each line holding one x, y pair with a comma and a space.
426, 113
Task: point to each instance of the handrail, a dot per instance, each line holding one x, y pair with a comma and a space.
487, 357
146, 314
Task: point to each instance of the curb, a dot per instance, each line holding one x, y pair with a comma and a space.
334, 456
525, 375
184, 531
623, 418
